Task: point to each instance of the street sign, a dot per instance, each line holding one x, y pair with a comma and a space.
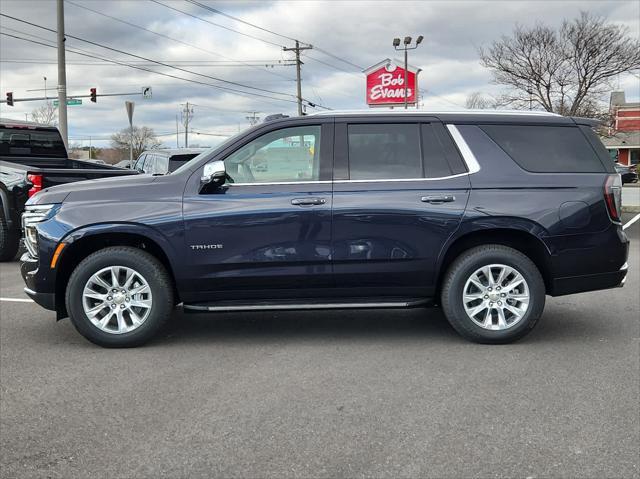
385, 83
70, 102
129, 105
146, 92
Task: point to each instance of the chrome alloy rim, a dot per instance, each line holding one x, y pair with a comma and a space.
496, 297
117, 299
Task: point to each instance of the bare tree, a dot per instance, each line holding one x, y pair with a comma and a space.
144, 138
478, 101
46, 114
566, 70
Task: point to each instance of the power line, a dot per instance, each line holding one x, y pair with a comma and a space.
169, 66
140, 27
242, 93
218, 25
220, 12
152, 61
170, 62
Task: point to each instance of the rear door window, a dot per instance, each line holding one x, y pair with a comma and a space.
162, 165
546, 149
384, 151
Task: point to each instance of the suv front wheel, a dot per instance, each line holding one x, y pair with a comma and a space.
493, 294
119, 297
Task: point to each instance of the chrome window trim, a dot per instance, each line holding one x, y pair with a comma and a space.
379, 180
269, 183
467, 155
384, 180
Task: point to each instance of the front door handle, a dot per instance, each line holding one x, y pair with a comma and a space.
308, 201
437, 199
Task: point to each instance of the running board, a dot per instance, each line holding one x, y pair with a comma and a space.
230, 306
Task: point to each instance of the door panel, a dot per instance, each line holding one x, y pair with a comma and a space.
386, 236
390, 219
255, 237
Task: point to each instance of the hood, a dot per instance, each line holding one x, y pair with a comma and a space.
118, 186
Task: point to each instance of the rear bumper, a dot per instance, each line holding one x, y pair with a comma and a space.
591, 282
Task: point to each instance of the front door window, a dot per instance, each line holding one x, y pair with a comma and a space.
281, 156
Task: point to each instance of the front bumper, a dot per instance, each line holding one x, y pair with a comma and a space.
46, 300
29, 271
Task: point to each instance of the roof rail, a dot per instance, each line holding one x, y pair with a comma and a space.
384, 111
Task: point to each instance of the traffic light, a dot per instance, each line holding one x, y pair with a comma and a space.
94, 95
10, 98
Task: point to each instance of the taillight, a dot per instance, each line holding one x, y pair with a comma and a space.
36, 184
613, 196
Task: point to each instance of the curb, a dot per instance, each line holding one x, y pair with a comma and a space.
631, 209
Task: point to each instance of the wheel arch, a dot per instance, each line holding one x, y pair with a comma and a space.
523, 240
81, 243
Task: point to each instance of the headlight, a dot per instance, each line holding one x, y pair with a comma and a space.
32, 215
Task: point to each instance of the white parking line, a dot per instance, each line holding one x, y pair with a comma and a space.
631, 221
17, 300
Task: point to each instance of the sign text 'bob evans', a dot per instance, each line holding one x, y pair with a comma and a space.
385, 86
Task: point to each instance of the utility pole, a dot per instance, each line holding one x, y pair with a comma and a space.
62, 76
298, 49
187, 114
177, 134
253, 117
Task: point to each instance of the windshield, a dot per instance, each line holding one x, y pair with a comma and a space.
208, 153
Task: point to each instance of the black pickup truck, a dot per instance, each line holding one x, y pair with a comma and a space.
33, 157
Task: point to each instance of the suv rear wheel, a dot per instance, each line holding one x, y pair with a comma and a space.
493, 294
119, 297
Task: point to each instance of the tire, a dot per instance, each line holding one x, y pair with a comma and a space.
149, 278
493, 327
9, 240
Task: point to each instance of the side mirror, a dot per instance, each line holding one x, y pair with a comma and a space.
214, 173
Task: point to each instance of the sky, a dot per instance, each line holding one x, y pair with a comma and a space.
209, 46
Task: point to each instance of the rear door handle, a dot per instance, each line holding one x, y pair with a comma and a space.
437, 199
308, 201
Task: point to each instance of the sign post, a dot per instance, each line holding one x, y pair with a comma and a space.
129, 105
390, 84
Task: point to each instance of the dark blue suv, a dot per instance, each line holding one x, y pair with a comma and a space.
481, 213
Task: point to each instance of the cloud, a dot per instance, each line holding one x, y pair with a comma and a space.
357, 31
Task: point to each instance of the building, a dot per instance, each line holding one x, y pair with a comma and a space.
623, 140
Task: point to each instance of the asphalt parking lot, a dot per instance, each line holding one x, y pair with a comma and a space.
326, 394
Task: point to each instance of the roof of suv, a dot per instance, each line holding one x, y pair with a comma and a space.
463, 116
432, 112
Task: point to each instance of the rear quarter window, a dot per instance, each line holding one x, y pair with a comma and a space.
546, 149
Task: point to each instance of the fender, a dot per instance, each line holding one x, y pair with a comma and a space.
478, 224
123, 227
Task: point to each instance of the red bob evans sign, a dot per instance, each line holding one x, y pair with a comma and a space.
385, 84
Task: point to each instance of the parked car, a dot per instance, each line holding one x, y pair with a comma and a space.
628, 173
481, 213
33, 158
161, 162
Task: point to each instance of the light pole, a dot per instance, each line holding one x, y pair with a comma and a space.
405, 47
